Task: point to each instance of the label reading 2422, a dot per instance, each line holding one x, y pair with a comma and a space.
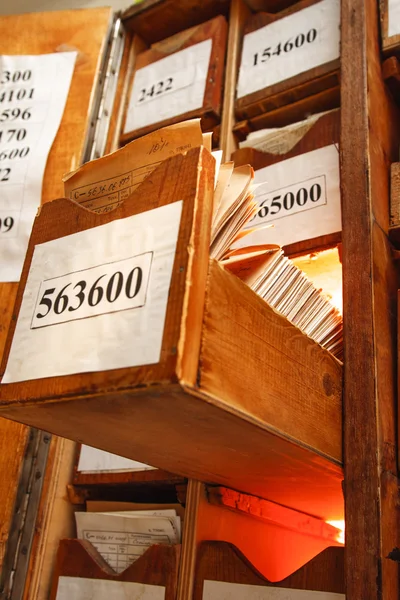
156, 89
107, 288
290, 200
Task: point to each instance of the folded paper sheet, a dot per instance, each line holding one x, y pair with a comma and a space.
121, 538
101, 185
93, 460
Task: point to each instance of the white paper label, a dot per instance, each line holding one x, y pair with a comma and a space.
92, 460
107, 288
300, 196
113, 321
82, 588
220, 590
295, 44
169, 87
393, 17
33, 92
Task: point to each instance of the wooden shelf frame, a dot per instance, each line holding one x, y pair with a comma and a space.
369, 142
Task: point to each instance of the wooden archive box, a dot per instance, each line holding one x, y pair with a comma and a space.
81, 572
288, 56
300, 186
178, 78
99, 474
28, 35
229, 392
222, 569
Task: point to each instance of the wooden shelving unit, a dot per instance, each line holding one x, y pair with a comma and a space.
247, 444
369, 143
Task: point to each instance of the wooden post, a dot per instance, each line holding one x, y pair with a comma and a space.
369, 141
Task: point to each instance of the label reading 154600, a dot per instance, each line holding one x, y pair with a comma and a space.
106, 288
294, 44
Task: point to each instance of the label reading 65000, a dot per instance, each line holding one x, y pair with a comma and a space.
99, 290
289, 200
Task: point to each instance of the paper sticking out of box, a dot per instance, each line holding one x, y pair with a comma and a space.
122, 537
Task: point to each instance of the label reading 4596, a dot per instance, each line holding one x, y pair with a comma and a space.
103, 289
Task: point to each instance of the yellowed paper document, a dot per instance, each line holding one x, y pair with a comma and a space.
103, 184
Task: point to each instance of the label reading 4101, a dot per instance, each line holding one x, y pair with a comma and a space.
103, 289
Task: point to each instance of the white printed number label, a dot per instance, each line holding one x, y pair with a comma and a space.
285, 47
33, 92
100, 301
100, 290
16, 87
169, 87
289, 46
156, 89
166, 85
299, 196
289, 200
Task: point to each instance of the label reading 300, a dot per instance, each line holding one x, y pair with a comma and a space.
107, 288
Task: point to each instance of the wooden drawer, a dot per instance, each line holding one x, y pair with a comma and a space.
288, 56
178, 78
79, 560
300, 175
238, 396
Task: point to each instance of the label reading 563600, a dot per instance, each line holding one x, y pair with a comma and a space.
106, 288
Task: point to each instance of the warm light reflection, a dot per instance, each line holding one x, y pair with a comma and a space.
338, 525
325, 271
337, 300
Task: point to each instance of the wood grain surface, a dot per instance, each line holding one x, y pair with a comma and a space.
291, 113
157, 566
390, 43
155, 20
369, 141
238, 14
255, 362
294, 88
210, 112
218, 561
43, 34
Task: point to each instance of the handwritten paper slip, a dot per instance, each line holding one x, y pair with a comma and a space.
294, 44
33, 93
393, 17
100, 302
169, 87
103, 184
121, 540
81, 588
92, 460
281, 140
299, 196
220, 590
